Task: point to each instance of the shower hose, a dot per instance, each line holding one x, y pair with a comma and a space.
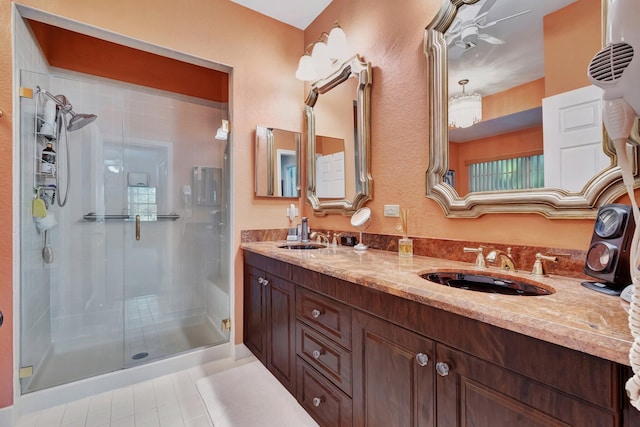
62, 125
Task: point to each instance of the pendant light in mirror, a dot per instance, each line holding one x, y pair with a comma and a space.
465, 109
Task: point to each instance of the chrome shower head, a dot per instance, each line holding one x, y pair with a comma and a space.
79, 121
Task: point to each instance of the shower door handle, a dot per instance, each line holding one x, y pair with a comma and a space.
137, 227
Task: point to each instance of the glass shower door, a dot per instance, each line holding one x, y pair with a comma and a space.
140, 270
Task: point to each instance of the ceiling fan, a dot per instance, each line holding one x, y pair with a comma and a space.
464, 32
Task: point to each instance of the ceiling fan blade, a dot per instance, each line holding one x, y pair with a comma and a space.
492, 23
490, 39
454, 28
486, 6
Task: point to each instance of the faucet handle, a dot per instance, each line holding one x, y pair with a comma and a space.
538, 265
479, 257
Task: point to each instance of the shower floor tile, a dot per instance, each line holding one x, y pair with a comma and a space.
172, 400
76, 361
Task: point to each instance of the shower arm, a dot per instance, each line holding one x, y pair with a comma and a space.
65, 107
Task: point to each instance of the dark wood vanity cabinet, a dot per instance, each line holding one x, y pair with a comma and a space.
269, 322
367, 358
394, 383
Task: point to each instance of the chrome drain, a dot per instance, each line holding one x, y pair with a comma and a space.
139, 356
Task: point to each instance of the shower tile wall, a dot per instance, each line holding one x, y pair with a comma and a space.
104, 289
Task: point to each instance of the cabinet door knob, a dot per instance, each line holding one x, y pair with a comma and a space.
422, 359
315, 313
316, 354
442, 369
263, 281
317, 401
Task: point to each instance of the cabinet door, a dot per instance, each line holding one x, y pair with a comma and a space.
472, 392
254, 316
393, 378
281, 331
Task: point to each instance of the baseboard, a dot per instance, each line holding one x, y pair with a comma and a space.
6, 416
240, 351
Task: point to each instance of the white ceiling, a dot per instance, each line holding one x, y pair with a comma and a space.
492, 68
297, 13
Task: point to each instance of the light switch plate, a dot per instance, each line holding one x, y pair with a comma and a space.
392, 210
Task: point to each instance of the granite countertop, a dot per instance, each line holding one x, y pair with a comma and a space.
574, 316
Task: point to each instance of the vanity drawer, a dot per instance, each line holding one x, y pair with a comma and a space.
329, 406
328, 316
331, 360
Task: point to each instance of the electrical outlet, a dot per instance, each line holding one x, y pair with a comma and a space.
392, 210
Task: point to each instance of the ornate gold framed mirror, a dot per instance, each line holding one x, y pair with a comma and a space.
464, 30
338, 121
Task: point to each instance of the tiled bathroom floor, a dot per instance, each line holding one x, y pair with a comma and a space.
168, 401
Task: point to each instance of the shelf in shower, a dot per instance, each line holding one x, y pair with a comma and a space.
96, 217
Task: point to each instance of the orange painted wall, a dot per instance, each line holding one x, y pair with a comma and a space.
391, 39
568, 49
264, 55
526, 142
6, 209
514, 100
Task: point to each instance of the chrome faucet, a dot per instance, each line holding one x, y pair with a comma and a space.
321, 237
506, 261
304, 233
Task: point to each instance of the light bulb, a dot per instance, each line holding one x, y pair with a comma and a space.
337, 44
320, 57
306, 71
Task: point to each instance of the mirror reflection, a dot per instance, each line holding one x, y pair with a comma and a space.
538, 145
277, 162
524, 97
337, 112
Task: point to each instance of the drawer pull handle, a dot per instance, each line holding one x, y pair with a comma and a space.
422, 359
315, 313
317, 401
442, 369
317, 353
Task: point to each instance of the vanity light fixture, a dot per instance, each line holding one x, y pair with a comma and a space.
223, 131
324, 57
465, 109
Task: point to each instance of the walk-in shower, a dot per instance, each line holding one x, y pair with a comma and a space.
141, 265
